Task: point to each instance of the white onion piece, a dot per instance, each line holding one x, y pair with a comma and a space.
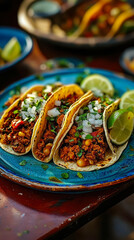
53, 112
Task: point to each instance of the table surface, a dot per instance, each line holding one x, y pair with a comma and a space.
30, 214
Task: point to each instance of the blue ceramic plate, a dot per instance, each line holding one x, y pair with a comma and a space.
24, 39
33, 175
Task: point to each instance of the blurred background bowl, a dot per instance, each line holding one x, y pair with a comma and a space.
26, 43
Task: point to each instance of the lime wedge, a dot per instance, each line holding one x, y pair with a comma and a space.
114, 117
127, 100
11, 50
97, 81
122, 127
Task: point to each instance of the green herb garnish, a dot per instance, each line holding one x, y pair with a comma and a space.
79, 154
80, 127
65, 175
82, 117
44, 166
71, 140
16, 111
54, 179
80, 175
89, 136
76, 134
79, 143
23, 163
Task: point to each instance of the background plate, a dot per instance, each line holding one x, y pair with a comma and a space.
33, 175
41, 29
6, 33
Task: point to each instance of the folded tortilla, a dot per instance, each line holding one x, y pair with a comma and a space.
59, 95
113, 152
16, 105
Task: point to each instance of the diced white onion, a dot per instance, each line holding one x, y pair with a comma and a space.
97, 116
86, 123
53, 112
87, 130
48, 89
57, 103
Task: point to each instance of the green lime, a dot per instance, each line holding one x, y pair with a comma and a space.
114, 116
122, 128
127, 100
11, 50
97, 81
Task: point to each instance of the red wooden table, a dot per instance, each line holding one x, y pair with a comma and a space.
30, 214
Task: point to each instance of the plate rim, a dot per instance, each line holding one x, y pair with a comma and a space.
8, 174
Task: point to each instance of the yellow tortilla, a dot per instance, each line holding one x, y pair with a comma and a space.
112, 154
8, 148
61, 93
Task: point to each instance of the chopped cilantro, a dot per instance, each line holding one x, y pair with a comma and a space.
102, 98
51, 119
85, 108
80, 127
54, 179
89, 136
71, 140
65, 111
46, 96
79, 154
16, 111
63, 106
79, 143
44, 166
23, 163
83, 117
65, 175
80, 175
76, 134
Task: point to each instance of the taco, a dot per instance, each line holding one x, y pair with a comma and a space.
18, 121
52, 120
84, 143
95, 19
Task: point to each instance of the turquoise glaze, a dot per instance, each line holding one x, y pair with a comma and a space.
33, 175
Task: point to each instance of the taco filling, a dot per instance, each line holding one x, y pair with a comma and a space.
54, 122
18, 125
85, 143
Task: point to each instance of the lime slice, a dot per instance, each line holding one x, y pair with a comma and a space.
114, 117
122, 127
97, 81
127, 100
11, 50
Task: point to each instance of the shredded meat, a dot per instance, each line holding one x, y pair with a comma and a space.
93, 150
53, 127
